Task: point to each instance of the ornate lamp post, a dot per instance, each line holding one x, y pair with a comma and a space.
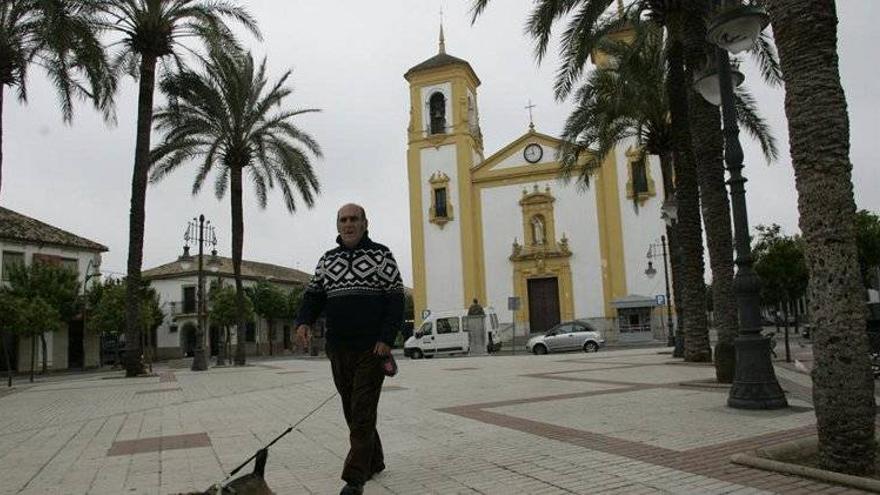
650, 272
195, 231
755, 386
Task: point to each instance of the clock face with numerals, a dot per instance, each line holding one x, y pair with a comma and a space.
533, 153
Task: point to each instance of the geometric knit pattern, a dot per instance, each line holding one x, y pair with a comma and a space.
362, 271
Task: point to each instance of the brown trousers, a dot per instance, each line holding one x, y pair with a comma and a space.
358, 377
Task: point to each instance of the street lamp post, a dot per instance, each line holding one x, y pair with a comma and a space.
196, 231
754, 385
650, 272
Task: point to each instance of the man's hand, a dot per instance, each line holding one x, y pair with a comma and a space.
302, 335
381, 349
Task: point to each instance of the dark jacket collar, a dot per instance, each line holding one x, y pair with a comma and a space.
365, 241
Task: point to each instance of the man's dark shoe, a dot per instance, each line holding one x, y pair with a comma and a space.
352, 489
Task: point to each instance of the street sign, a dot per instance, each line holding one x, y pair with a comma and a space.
426, 313
660, 299
513, 303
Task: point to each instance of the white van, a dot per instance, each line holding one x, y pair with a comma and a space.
454, 332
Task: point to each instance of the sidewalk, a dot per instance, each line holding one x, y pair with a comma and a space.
617, 421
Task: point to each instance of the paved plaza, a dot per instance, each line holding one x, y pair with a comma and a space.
620, 421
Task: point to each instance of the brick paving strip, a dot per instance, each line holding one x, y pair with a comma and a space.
712, 461
159, 444
290, 372
158, 391
393, 388
463, 368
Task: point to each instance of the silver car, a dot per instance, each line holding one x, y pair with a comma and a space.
567, 336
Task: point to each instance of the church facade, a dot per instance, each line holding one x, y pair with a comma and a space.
505, 225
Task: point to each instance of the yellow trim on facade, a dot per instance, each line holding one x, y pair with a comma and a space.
516, 146
525, 270
417, 234
610, 233
461, 79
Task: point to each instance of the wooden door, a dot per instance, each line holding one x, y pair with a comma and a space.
543, 304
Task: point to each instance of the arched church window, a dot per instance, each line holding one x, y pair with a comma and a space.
639, 176
437, 111
440, 202
539, 232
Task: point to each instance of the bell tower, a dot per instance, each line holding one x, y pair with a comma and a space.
445, 143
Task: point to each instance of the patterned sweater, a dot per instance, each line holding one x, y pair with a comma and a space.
361, 293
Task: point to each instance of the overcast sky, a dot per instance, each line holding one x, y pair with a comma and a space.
348, 58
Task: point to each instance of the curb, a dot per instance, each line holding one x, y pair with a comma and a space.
808, 443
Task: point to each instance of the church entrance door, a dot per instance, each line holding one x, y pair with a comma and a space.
543, 303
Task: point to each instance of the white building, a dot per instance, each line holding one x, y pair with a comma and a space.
25, 240
504, 225
177, 289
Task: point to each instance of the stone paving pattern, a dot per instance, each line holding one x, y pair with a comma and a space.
626, 422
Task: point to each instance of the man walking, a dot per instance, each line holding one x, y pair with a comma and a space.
358, 287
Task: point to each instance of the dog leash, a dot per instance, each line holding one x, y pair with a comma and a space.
290, 428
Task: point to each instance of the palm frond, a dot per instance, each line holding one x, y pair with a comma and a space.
749, 119
764, 54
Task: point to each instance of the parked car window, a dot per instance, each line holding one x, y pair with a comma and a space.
447, 325
425, 329
564, 329
580, 327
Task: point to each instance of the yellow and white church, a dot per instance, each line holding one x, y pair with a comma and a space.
505, 225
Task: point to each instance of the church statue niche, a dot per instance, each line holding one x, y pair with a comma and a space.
539, 232
539, 229
437, 112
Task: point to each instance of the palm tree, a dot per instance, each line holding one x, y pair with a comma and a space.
61, 36
696, 156
630, 100
153, 30
708, 147
584, 32
223, 118
818, 124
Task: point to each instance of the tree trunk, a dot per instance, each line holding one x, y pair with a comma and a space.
7, 342
33, 355
237, 242
45, 363
227, 346
2, 88
271, 338
689, 231
818, 125
667, 164
134, 364
708, 145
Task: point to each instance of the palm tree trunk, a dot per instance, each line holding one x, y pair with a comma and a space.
667, 166
237, 242
2, 87
708, 145
818, 125
134, 364
689, 230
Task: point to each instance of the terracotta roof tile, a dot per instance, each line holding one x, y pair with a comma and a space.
17, 227
249, 269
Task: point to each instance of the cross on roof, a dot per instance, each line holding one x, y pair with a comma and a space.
529, 107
